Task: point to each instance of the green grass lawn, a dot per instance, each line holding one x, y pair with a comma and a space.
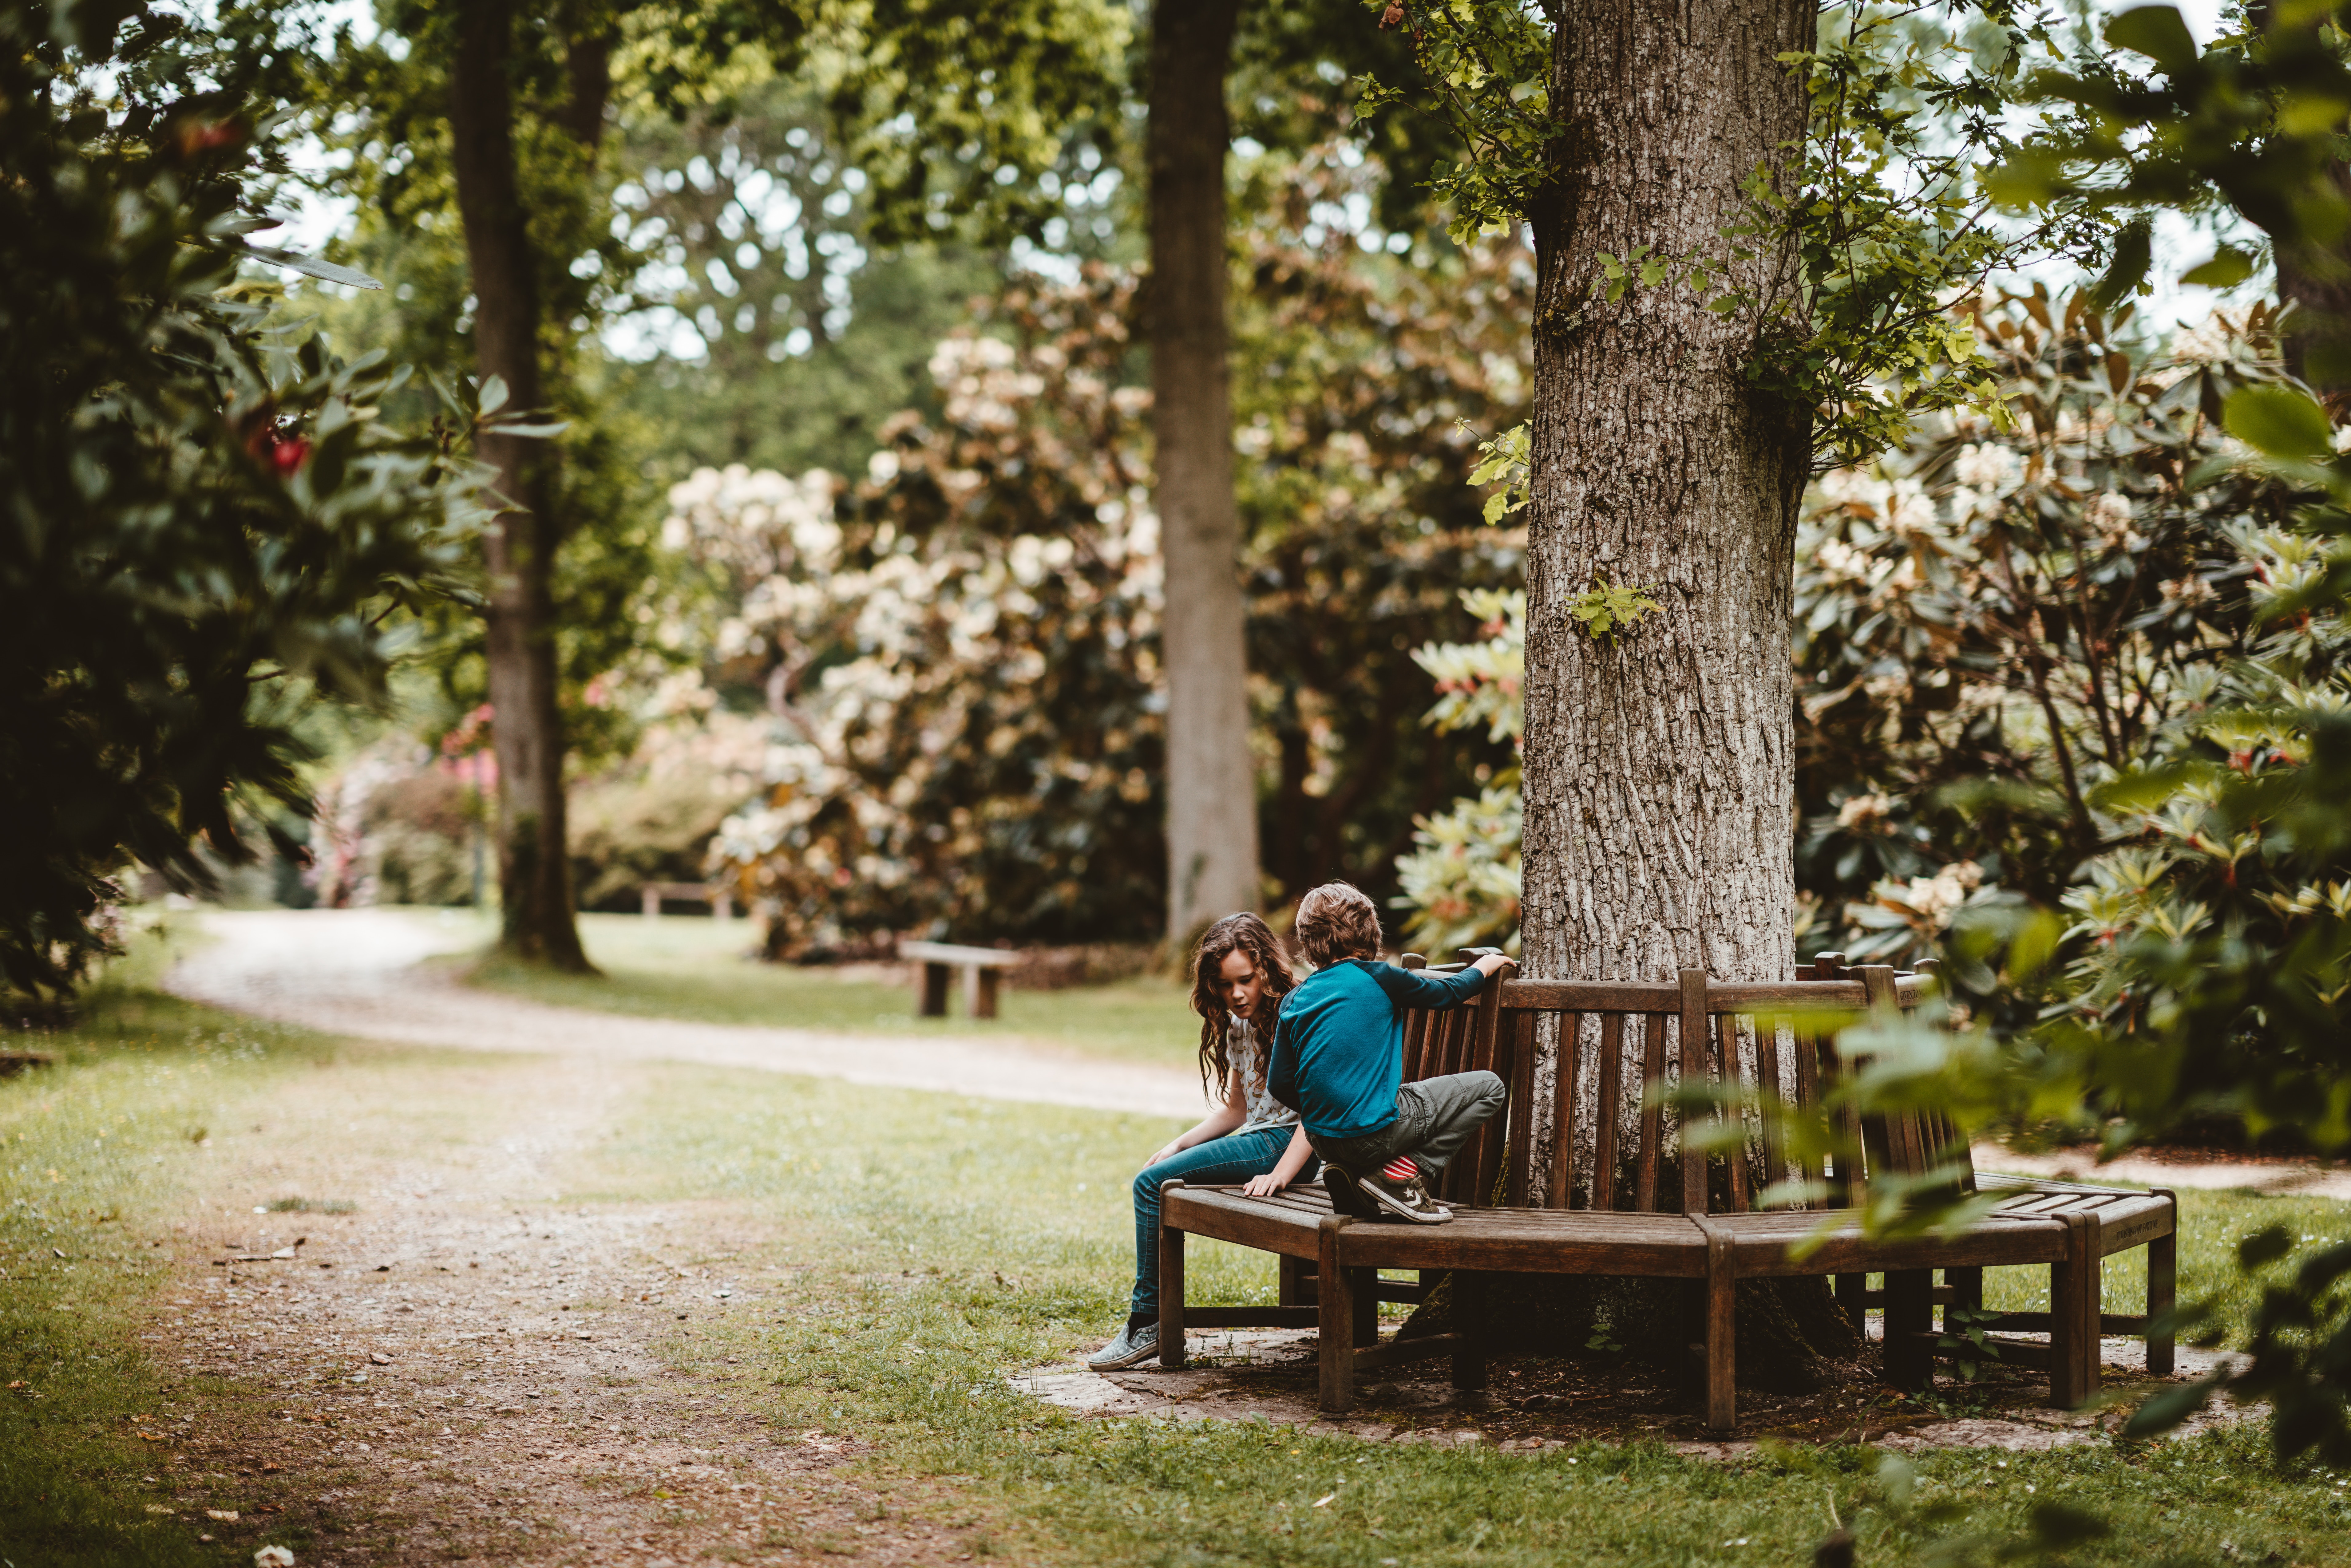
979, 1238
96, 1156
922, 1248
687, 968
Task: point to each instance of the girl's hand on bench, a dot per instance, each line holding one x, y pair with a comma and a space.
1261, 1185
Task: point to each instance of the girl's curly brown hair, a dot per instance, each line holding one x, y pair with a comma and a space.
1234, 934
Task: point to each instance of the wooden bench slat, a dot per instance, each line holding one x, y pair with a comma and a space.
1697, 1071
1520, 1111
1489, 1052
1653, 1116
1559, 1191
1726, 1052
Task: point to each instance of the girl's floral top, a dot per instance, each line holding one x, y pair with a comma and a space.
1260, 1108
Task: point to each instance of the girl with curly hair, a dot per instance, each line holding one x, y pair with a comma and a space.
1239, 979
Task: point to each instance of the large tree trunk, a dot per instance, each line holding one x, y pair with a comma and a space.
1212, 862
534, 871
1659, 772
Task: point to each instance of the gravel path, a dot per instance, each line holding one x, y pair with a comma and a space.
463, 1368
361, 972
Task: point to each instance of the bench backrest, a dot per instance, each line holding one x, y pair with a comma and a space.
1608, 1147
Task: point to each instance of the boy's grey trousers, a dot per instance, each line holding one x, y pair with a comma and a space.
1434, 1118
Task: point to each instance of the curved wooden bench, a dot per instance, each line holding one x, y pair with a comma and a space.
1619, 1201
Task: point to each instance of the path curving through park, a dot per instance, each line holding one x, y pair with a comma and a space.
364, 973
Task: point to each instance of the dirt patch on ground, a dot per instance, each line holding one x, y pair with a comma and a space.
1535, 1403
463, 1368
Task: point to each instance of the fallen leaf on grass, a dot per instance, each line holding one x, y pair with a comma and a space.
378, 1357
225, 1515
1326, 1500
158, 1507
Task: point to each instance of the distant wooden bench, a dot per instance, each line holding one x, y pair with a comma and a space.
653, 895
1642, 1211
982, 969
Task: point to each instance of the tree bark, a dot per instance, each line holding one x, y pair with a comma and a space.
1659, 777
2316, 281
1659, 771
1212, 853
518, 547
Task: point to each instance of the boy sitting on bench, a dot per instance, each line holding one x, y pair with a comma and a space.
1338, 1061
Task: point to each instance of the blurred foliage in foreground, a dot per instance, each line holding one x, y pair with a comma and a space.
202, 511
2203, 966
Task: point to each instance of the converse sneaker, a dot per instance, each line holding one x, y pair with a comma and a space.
1346, 1198
1133, 1347
1402, 1199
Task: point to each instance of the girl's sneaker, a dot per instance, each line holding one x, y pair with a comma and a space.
1403, 1199
1131, 1348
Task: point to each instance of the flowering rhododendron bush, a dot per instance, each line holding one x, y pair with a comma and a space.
959, 651
1994, 630
1992, 627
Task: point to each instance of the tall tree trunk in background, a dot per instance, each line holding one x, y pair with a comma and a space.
1659, 771
2316, 281
1212, 860
534, 871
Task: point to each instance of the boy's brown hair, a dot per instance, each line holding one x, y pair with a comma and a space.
1337, 922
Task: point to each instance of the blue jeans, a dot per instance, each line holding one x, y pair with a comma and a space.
1219, 1162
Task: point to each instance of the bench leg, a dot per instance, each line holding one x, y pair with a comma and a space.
2162, 1290
1469, 1316
2073, 1316
1966, 1290
983, 999
933, 1003
1850, 1290
1910, 1315
1335, 1319
1722, 1330
1171, 1291
1294, 1273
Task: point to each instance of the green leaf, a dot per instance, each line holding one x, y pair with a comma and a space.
2168, 1410
2127, 270
2264, 1246
2280, 422
2146, 789
494, 396
2227, 269
2156, 32
312, 267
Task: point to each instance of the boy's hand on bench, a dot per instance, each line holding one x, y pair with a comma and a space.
1486, 965
1261, 1185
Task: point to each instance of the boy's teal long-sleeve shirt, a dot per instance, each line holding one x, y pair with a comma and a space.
1338, 1042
